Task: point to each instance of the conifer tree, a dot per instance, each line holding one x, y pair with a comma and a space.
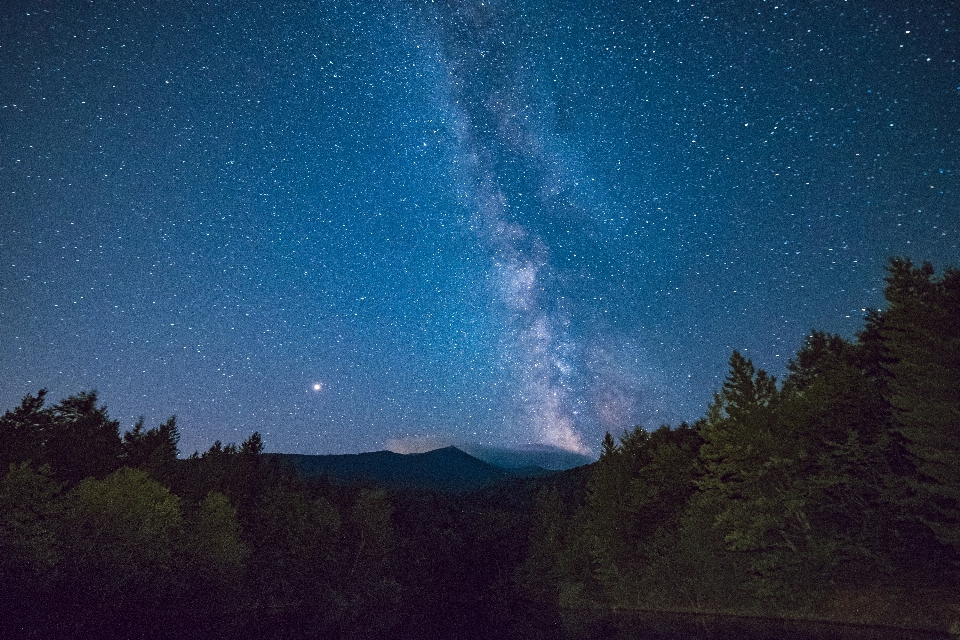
24, 431
83, 441
154, 450
921, 331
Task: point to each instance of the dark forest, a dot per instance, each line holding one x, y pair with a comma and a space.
832, 495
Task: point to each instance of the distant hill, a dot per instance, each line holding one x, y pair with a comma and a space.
533, 455
448, 469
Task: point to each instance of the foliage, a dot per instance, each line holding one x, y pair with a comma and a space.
839, 485
154, 450
29, 547
844, 477
921, 332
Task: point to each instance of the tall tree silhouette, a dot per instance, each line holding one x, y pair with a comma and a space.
83, 441
154, 450
24, 431
921, 330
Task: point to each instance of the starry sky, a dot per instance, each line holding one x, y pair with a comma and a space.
397, 223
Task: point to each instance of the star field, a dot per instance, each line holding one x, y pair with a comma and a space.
358, 225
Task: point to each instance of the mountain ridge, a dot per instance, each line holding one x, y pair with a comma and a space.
447, 469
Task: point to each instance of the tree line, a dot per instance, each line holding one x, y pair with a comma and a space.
110, 536
834, 493
104, 535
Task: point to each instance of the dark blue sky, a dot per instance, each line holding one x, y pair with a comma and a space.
489, 222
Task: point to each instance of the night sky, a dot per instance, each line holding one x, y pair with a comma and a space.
352, 226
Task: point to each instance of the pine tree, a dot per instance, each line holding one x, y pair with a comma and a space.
921, 330
83, 441
24, 431
154, 450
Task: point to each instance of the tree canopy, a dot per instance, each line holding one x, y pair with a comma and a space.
834, 493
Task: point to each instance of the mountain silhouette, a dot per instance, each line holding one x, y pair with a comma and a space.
448, 469
530, 455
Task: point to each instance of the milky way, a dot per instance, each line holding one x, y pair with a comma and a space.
485, 109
